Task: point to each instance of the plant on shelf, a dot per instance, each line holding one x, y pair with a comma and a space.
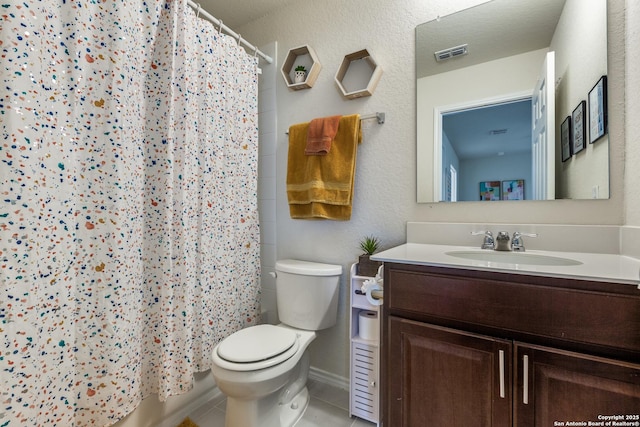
366, 267
300, 74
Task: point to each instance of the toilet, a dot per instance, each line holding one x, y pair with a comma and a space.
263, 369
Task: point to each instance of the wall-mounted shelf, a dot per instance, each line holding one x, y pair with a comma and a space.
358, 75
303, 55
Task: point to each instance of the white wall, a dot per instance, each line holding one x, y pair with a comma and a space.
385, 188
267, 121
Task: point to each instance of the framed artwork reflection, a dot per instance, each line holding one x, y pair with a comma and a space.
579, 128
490, 190
598, 110
513, 189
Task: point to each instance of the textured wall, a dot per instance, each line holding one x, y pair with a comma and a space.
385, 189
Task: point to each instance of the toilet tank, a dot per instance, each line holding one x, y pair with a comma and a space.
307, 293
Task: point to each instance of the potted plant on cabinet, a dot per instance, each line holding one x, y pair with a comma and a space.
367, 267
300, 74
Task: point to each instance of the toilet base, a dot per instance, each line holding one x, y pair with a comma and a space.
271, 414
290, 413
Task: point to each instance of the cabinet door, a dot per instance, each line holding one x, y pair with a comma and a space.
364, 392
443, 377
555, 387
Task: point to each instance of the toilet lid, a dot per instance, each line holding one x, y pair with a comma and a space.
257, 343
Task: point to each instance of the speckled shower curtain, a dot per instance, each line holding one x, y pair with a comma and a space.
129, 240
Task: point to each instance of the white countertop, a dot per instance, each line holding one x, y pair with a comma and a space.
598, 267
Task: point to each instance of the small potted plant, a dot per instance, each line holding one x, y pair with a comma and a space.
301, 74
366, 267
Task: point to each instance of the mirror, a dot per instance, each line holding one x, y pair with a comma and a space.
508, 43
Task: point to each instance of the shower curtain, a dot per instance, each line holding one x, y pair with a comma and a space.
129, 236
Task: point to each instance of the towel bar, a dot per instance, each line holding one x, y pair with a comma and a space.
378, 116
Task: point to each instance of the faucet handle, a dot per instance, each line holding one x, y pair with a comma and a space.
517, 243
488, 242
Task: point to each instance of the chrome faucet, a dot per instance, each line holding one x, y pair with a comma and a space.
517, 243
502, 241
488, 242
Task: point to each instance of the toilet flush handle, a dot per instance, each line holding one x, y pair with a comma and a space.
273, 274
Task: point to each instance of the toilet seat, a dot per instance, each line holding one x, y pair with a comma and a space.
256, 347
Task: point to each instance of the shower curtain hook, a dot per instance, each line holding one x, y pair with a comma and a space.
220, 29
255, 51
198, 11
239, 39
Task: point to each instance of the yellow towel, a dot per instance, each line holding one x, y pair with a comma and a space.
322, 186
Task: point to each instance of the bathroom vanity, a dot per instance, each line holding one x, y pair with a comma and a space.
503, 344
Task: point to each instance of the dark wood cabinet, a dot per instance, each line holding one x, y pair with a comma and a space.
444, 377
464, 347
555, 386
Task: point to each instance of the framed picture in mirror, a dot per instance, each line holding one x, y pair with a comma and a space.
598, 110
565, 138
579, 127
513, 189
490, 190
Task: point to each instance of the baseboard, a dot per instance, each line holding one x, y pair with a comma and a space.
328, 378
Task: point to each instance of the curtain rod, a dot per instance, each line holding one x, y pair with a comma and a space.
201, 11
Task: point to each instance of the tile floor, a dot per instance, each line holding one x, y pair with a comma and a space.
329, 406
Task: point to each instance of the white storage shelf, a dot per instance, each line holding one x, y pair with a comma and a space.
364, 396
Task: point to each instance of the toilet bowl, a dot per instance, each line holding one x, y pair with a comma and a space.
263, 369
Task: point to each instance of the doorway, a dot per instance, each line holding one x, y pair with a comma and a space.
487, 141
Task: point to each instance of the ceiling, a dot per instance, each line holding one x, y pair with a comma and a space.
493, 130
236, 13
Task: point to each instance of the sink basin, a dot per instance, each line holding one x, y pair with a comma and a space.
514, 258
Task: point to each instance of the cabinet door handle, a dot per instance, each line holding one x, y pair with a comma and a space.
501, 357
525, 379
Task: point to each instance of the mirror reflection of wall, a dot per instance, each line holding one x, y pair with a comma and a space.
495, 68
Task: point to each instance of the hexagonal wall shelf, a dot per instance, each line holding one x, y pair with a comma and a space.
306, 56
358, 75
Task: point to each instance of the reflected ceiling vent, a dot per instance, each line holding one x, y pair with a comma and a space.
497, 131
452, 52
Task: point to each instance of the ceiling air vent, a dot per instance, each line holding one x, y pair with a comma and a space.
452, 52
497, 132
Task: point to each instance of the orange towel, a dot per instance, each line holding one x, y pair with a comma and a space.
322, 186
320, 134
